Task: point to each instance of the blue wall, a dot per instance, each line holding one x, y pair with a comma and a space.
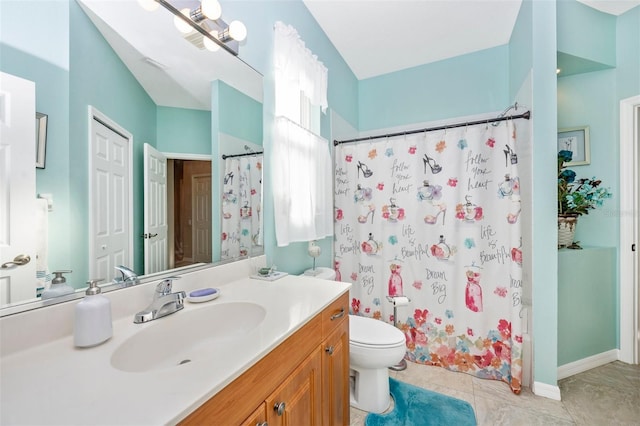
628, 54
240, 115
463, 85
181, 130
585, 32
544, 229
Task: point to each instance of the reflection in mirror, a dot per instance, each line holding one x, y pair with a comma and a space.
242, 233
132, 67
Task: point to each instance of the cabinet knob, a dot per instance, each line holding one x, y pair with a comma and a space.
262, 424
279, 408
329, 350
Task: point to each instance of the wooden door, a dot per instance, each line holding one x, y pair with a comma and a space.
298, 400
335, 376
201, 213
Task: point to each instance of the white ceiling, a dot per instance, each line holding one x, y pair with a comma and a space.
380, 36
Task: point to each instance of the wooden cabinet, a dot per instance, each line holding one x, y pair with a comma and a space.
335, 363
297, 401
258, 417
303, 381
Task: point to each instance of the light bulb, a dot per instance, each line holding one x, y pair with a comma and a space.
237, 30
180, 24
149, 5
211, 9
210, 44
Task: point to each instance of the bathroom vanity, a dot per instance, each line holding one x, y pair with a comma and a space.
303, 381
262, 351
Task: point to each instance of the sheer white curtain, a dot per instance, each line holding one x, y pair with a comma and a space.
302, 167
298, 72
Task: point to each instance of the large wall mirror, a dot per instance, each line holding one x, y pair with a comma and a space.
137, 93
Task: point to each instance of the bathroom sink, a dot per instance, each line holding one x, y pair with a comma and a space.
187, 336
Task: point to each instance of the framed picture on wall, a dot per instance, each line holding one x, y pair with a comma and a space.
576, 140
41, 139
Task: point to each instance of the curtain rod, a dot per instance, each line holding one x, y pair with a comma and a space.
526, 115
225, 156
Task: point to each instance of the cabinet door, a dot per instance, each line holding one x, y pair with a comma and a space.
298, 400
258, 417
335, 376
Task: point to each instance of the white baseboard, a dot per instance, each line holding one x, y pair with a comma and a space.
588, 363
545, 390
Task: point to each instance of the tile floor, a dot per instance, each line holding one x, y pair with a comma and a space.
607, 395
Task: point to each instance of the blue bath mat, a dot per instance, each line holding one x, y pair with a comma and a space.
415, 406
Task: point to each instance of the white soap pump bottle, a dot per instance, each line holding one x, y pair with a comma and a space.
93, 318
59, 286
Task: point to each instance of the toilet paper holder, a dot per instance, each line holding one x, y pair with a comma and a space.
398, 301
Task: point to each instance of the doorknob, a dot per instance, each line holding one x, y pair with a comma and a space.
21, 259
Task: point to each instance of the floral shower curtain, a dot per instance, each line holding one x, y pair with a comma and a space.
435, 217
241, 206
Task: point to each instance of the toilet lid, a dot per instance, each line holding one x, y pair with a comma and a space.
372, 332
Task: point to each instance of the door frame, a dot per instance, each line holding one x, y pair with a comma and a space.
95, 114
629, 309
171, 201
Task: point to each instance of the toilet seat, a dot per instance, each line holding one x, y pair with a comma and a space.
370, 333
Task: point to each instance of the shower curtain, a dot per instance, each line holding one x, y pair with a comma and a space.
241, 206
435, 217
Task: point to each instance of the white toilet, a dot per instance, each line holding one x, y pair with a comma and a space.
373, 346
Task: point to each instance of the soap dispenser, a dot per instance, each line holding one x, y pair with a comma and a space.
59, 286
93, 317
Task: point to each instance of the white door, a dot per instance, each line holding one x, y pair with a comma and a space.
201, 211
111, 241
156, 255
629, 230
17, 188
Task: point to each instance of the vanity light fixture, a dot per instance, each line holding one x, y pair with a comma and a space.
203, 26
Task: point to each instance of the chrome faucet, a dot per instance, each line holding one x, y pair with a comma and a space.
128, 279
164, 302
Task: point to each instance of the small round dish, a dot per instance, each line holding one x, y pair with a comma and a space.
203, 295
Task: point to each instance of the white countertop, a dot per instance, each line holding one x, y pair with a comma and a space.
58, 384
